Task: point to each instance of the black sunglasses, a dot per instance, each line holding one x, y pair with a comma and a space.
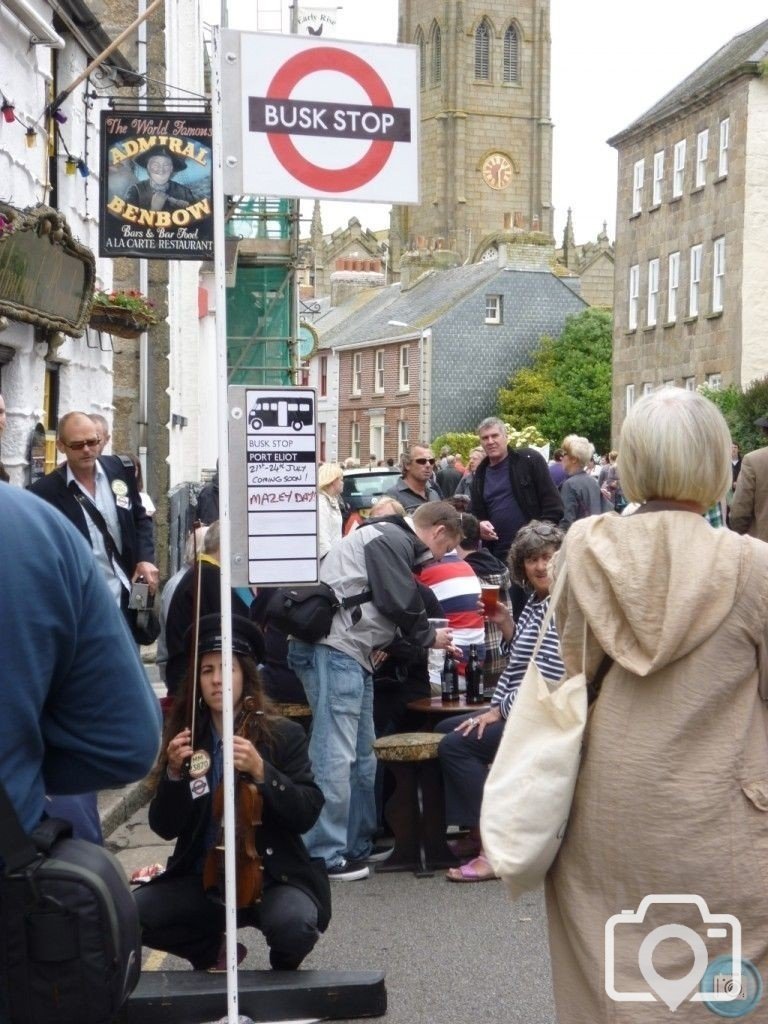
423, 462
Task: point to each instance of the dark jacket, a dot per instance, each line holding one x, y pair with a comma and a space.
181, 613
380, 556
532, 486
292, 804
135, 525
582, 497
448, 480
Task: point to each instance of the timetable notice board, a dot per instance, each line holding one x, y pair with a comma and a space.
273, 485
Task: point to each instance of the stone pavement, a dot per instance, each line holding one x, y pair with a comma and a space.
452, 954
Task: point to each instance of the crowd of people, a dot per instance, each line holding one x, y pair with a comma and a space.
676, 737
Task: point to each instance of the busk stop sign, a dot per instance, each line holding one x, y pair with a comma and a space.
316, 119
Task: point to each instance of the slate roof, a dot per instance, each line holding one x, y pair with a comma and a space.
742, 55
366, 316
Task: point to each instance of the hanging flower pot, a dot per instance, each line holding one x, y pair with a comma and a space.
125, 314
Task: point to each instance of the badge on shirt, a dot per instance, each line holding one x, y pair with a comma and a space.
122, 502
199, 763
119, 488
198, 787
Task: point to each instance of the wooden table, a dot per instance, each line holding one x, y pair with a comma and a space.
435, 708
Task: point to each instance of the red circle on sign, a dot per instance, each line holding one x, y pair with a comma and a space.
326, 58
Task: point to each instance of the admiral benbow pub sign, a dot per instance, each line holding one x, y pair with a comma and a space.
156, 199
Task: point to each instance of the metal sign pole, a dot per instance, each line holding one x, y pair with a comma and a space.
217, 151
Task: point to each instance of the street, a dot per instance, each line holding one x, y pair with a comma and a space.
452, 954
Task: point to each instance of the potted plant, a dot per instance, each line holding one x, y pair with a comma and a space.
124, 313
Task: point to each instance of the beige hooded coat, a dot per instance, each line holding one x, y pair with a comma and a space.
672, 794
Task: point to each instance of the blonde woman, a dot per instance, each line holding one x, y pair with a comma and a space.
580, 491
330, 483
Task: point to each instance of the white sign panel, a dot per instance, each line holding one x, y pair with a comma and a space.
316, 21
320, 119
273, 472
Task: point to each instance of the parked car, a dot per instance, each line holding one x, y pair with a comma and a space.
362, 489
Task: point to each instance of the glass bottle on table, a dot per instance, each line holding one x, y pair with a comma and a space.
449, 680
473, 674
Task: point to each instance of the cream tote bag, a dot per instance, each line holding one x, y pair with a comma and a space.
528, 793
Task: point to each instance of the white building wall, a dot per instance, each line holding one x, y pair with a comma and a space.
85, 371
328, 405
754, 304
190, 446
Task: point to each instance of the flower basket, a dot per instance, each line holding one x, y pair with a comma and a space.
125, 323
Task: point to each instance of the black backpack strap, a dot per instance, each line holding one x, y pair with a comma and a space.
16, 848
90, 509
353, 602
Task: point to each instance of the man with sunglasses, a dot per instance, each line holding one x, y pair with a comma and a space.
119, 530
415, 487
100, 498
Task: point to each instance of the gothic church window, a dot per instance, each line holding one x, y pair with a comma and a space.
511, 55
437, 54
482, 51
419, 41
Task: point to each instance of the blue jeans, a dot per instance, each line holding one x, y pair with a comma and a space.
340, 693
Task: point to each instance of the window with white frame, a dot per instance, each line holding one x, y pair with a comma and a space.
378, 371
718, 274
638, 176
322, 442
634, 295
669, 383
402, 436
715, 381
673, 284
630, 397
647, 388
702, 148
689, 383
722, 155
695, 281
653, 293
323, 375
357, 373
658, 176
405, 377
493, 309
354, 442
678, 171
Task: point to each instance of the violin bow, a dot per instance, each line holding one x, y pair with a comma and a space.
191, 714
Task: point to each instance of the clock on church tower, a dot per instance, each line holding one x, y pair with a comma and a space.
486, 154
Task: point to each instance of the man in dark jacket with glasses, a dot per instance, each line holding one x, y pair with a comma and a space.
416, 487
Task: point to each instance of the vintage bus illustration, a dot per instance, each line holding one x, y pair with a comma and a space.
282, 412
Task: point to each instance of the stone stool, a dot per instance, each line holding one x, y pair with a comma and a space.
302, 713
415, 811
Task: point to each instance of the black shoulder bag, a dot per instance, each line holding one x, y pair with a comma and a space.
144, 623
307, 612
70, 942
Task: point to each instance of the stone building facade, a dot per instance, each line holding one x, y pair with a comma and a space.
690, 300
593, 262
414, 362
486, 134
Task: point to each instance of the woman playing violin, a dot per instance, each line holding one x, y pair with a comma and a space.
178, 914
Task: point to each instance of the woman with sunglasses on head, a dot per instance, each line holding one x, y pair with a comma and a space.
471, 741
179, 911
416, 485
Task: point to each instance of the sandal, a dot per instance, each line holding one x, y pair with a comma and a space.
476, 870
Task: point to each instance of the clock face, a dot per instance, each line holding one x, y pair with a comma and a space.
497, 170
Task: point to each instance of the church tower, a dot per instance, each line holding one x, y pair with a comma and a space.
486, 134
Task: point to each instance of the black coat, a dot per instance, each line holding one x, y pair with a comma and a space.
136, 533
292, 804
532, 487
181, 613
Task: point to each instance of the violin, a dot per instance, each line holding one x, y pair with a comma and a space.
248, 807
